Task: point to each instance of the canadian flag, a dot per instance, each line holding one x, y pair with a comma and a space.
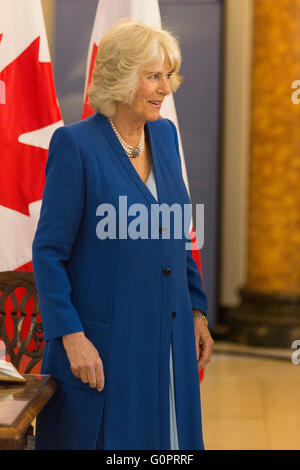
107, 14
29, 114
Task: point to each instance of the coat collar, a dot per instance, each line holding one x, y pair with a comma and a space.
156, 149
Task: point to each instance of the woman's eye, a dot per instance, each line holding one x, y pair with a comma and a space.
169, 75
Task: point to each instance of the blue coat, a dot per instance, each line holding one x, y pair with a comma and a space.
122, 292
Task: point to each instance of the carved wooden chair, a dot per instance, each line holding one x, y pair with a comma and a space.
20, 325
21, 329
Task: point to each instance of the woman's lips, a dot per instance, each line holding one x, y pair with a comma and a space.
155, 105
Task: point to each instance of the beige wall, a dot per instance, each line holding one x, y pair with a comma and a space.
233, 228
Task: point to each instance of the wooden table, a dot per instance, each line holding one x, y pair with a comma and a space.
19, 405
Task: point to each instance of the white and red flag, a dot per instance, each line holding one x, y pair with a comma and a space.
29, 114
107, 14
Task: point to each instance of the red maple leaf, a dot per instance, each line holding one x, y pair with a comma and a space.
30, 105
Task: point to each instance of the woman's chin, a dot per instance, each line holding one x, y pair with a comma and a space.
153, 116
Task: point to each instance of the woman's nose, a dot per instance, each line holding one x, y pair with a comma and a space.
164, 86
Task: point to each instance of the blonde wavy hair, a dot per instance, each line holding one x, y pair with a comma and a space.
122, 54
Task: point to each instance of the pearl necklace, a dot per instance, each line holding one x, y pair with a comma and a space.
131, 151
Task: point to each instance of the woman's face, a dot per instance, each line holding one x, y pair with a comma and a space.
154, 86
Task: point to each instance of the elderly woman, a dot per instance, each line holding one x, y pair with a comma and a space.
123, 310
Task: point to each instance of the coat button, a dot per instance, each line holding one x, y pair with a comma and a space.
162, 229
166, 271
173, 314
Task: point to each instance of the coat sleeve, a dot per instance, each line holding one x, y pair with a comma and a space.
60, 216
197, 294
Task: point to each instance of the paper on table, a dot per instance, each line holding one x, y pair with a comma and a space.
9, 373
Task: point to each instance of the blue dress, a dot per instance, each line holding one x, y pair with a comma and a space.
151, 184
